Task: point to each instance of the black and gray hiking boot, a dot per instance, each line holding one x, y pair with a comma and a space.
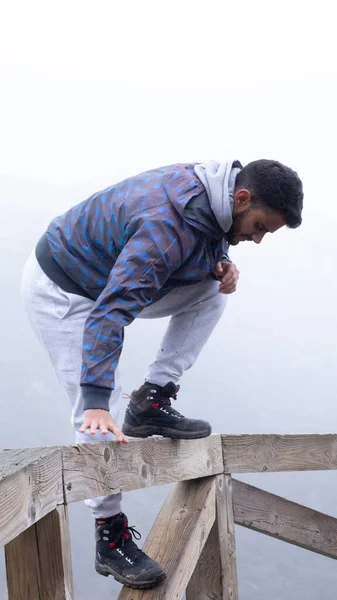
119, 556
150, 413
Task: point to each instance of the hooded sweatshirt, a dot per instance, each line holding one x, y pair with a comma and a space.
128, 246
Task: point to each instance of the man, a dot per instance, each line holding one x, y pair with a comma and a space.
151, 246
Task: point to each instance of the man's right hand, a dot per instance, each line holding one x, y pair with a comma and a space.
97, 419
228, 275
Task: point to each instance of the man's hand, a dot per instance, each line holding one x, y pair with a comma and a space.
228, 275
97, 419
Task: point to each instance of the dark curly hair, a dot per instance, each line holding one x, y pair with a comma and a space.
275, 187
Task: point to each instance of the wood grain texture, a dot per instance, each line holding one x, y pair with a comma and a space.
215, 574
55, 555
226, 530
206, 577
38, 561
263, 453
284, 520
22, 569
30, 487
177, 538
106, 468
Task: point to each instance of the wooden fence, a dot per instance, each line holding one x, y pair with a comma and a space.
193, 536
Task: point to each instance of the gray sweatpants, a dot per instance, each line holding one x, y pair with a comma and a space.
58, 319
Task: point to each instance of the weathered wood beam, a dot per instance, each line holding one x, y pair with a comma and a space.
284, 520
107, 468
178, 536
31, 479
225, 517
264, 453
38, 561
30, 487
215, 574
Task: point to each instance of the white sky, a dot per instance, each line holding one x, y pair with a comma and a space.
97, 90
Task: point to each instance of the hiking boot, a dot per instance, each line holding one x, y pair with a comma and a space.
150, 413
119, 556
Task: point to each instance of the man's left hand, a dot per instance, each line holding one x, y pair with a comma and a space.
228, 275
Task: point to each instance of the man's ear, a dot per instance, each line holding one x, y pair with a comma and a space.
242, 201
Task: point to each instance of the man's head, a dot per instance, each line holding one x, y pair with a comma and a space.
267, 196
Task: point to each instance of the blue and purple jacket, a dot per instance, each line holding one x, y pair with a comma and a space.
126, 247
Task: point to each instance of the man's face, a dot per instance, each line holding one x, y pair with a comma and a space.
251, 223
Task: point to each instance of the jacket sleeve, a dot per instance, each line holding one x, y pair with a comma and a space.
142, 268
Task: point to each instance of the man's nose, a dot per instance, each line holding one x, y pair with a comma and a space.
258, 237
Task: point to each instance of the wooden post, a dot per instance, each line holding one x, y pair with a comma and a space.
215, 573
38, 561
178, 536
31, 486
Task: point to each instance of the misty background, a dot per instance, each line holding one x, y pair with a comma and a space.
92, 92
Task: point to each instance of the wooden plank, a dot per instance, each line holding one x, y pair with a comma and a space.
225, 517
177, 538
92, 470
284, 520
215, 574
14, 460
30, 487
22, 579
206, 577
38, 561
55, 555
263, 453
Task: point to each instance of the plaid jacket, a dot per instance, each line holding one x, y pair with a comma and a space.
127, 246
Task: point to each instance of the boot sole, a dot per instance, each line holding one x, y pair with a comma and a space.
144, 431
105, 570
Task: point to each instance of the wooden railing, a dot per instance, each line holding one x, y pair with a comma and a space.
193, 536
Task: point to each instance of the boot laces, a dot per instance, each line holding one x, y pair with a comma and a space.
123, 539
132, 548
164, 398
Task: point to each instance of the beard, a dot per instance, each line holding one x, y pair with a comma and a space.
235, 228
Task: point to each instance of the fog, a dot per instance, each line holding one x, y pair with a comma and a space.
95, 92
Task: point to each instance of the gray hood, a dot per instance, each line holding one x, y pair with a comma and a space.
219, 182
